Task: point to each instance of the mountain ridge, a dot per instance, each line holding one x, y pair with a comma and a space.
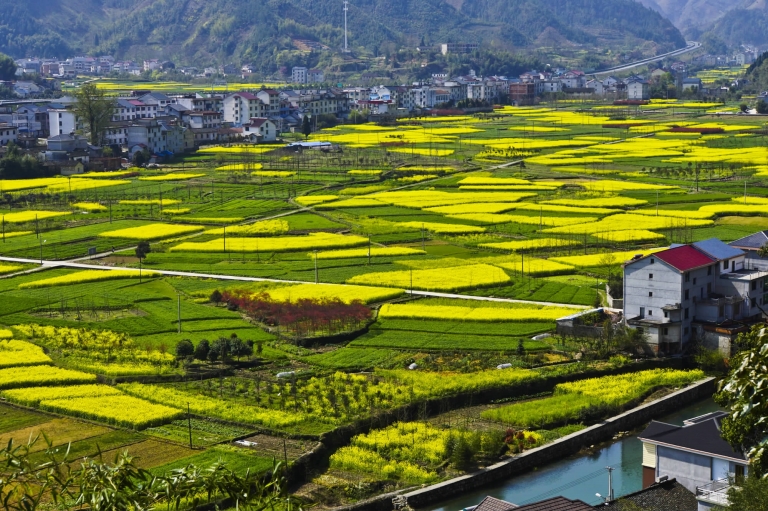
199, 31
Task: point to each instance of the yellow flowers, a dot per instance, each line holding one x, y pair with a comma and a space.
493, 181
606, 185
611, 258
264, 227
483, 314
630, 221
16, 377
174, 176
421, 151
31, 215
176, 211
273, 173
31, 396
241, 167
442, 228
602, 202
346, 294
120, 410
538, 267
10, 268
84, 276
311, 200
629, 235
204, 405
152, 231
364, 252
314, 240
56, 184
437, 279
488, 218
258, 149
364, 172
89, 206
150, 202
552, 243
21, 353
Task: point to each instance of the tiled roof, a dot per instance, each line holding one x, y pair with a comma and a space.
494, 504
557, 504
667, 496
716, 249
703, 437
752, 242
684, 258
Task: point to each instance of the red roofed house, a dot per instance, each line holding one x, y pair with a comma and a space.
261, 129
699, 291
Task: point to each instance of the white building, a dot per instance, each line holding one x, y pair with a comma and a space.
261, 129
8, 133
299, 75
638, 90
61, 122
703, 290
695, 455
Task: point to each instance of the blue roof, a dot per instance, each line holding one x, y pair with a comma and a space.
716, 249
753, 241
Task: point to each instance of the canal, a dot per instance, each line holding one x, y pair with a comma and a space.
578, 476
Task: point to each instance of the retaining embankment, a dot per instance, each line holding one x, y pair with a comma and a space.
539, 456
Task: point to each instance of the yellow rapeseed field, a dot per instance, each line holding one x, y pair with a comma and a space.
437, 279
344, 293
85, 276
152, 231
461, 313
313, 241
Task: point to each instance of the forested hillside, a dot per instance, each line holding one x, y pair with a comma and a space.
744, 25
257, 30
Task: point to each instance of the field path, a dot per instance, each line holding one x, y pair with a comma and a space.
238, 278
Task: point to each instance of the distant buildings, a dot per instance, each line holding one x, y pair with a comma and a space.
447, 48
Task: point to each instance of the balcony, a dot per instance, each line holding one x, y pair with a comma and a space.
715, 492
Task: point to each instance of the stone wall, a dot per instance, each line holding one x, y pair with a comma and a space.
554, 451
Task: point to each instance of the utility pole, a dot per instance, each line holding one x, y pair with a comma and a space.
225, 239
610, 483
178, 309
346, 8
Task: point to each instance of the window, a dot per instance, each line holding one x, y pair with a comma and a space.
666, 314
709, 288
686, 313
754, 285
666, 331
753, 302
653, 261
686, 294
650, 294
694, 281
650, 312
725, 265
650, 276
687, 277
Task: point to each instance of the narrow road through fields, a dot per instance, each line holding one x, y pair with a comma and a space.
238, 278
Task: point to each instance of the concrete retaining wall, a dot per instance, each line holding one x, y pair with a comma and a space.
556, 450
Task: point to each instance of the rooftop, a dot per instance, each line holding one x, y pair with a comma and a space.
716, 249
701, 436
665, 496
684, 258
752, 242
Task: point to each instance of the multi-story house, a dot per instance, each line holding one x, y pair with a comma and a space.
315, 76
8, 133
299, 75
638, 89
703, 290
695, 455
61, 122
261, 129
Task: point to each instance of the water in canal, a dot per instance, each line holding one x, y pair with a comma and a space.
579, 476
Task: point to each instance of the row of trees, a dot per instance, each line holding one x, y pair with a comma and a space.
37, 477
303, 318
223, 348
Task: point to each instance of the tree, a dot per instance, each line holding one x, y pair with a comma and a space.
216, 297
95, 109
184, 348
762, 107
142, 249
7, 68
306, 127
751, 494
763, 252
744, 394
202, 349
